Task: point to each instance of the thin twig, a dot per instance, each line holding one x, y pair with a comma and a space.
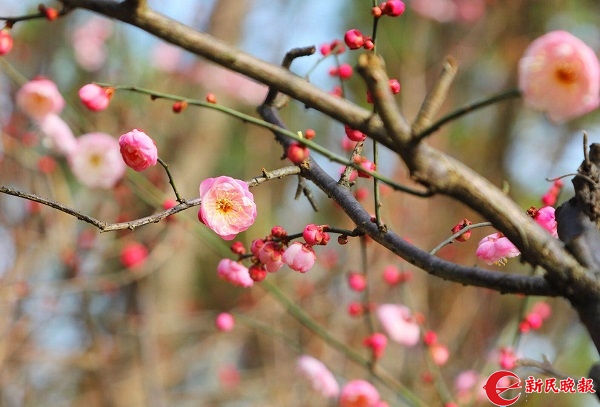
457, 234
513, 93
166, 167
434, 100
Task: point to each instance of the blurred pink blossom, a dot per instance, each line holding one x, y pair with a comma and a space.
399, 324
134, 254
138, 150
89, 43
96, 160
321, 379
39, 97
439, 353
299, 257
234, 272
359, 393
496, 249
58, 134
445, 11
560, 75
166, 57
227, 206
225, 322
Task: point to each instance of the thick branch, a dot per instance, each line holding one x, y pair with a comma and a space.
498, 281
446, 175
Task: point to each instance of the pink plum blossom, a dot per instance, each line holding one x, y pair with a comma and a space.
359, 393
94, 97
270, 254
58, 134
96, 160
545, 218
314, 235
496, 249
560, 75
225, 322
227, 206
234, 272
39, 97
299, 257
138, 150
399, 324
321, 379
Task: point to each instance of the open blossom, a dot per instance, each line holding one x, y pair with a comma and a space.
138, 150
300, 257
58, 134
39, 97
94, 97
321, 379
227, 206
496, 249
560, 75
96, 160
234, 272
399, 324
359, 393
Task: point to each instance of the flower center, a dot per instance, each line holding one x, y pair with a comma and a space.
566, 73
224, 205
95, 160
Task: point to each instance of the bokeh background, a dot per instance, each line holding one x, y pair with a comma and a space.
79, 329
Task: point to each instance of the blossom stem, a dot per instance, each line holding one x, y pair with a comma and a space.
250, 119
166, 167
457, 234
512, 93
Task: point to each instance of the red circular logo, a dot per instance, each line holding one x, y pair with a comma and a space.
493, 390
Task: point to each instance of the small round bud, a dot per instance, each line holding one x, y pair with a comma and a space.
297, 153
179, 106
211, 98
309, 134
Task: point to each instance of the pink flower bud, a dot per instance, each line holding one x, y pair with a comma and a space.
534, 320
354, 135
392, 275
297, 153
355, 309
225, 322
270, 254
278, 232
310, 134
376, 12
367, 165
543, 309
507, 358
430, 338
394, 86
345, 71
255, 247
377, 342
354, 39
299, 257
394, 8
325, 49
545, 218
94, 97
138, 150
6, 41
257, 272
133, 254
337, 47
237, 248
314, 235
460, 226
357, 281
368, 44
234, 272
439, 353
